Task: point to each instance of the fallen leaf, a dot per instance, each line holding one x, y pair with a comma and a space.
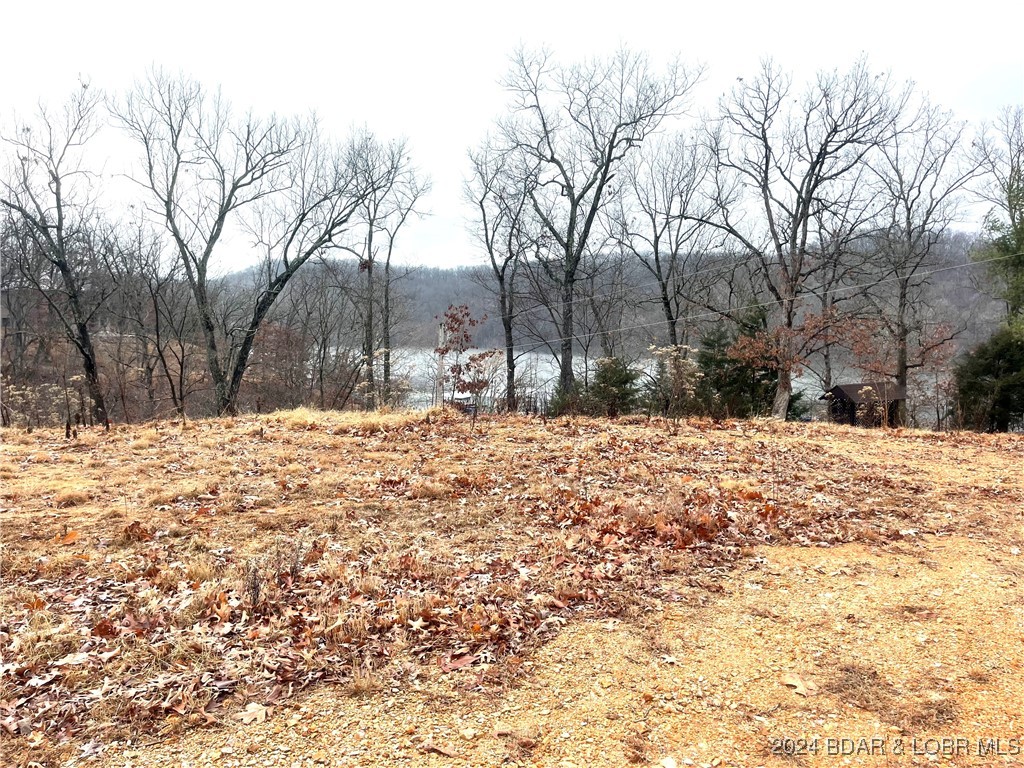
72, 659
254, 713
801, 686
104, 628
69, 538
136, 531
430, 746
449, 665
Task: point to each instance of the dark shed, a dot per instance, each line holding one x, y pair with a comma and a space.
868, 404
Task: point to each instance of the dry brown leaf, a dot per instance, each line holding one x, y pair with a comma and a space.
136, 531
254, 713
72, 659
801, 685
69, 538
104, 628
450, 665
431, 746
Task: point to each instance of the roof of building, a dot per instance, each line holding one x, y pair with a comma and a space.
867, 392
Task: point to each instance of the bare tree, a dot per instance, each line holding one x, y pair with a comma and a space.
571, 128
209, 172
608, 307
919, 178
329, 314
663, 184
999, 153
55, 235
779, 161
157, 306
840, 258
506, 232
394, 190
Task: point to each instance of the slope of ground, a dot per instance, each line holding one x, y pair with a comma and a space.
309, 588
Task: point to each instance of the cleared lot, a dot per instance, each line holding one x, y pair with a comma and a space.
320, 587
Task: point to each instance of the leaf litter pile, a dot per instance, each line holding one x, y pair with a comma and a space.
161, 577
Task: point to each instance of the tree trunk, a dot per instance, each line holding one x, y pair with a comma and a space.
670, 318
784, 385
566, 375
241, 360
510, 357
783, 393
368, 346
902, 363
320, 368
82, 339
826, 350
385, 322
220, 384
92, 380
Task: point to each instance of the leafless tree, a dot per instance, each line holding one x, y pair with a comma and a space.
840, 260
211, 174
325, 308
505, 228
55, 234
919, 177
999, 153
663, 183
779, 161
570, 129
394, 193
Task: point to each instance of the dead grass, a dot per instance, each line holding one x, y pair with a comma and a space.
70, 499
922, 710
863, 686
363, 681
637, 746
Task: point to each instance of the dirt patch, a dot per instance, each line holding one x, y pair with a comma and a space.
698, 680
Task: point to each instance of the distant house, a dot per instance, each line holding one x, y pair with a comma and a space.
868, 404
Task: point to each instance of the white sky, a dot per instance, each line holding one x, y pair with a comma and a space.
430, 71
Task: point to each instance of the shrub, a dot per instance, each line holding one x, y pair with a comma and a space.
671, 390
731, 388
614, 390
990, 383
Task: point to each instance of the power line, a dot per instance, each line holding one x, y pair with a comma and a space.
583, 299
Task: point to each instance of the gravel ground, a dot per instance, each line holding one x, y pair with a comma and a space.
904, 645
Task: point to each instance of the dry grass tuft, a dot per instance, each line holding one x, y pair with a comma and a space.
863, 686
926, 711
70, 499
364, 681
427, 489
637, 746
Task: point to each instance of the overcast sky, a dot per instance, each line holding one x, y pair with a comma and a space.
430, 71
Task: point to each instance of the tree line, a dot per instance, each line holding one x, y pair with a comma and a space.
799, 230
